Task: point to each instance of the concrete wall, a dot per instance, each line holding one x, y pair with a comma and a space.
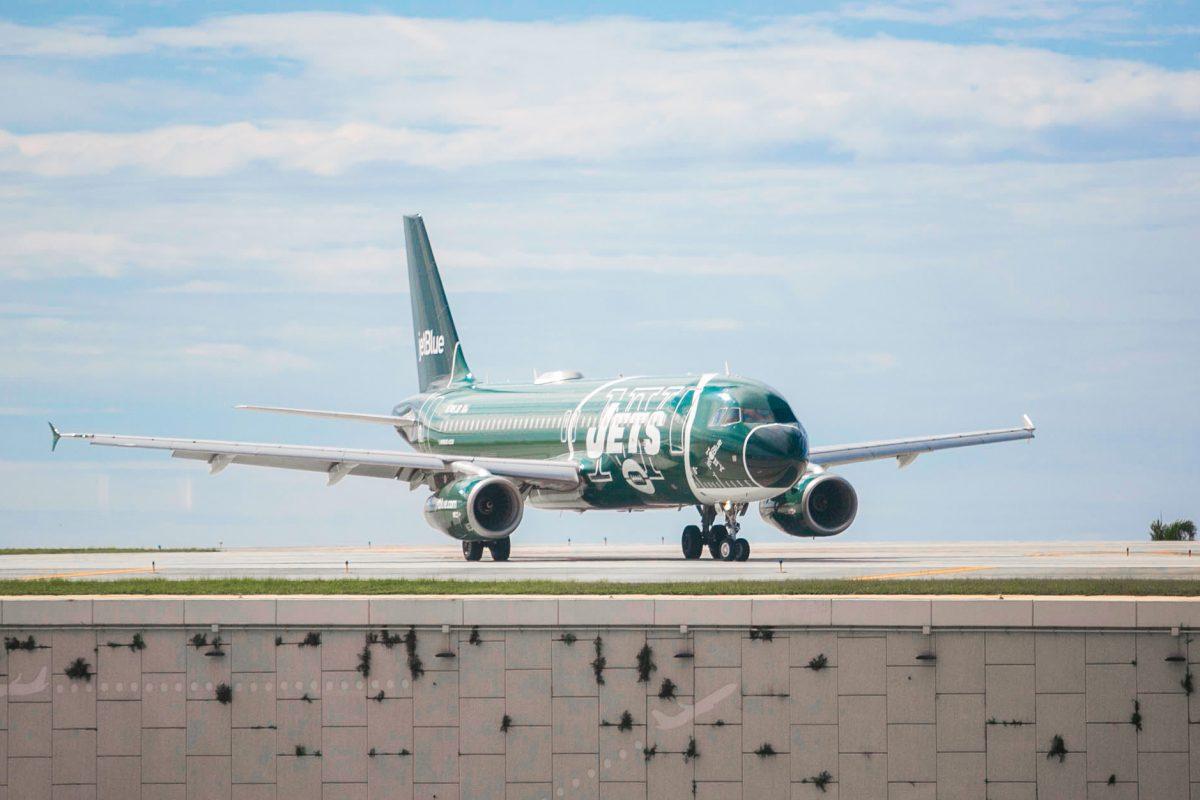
918, 698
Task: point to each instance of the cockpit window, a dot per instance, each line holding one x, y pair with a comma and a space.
726, 415
780, 409
761, 409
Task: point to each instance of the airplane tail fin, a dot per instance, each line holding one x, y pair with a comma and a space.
440, 359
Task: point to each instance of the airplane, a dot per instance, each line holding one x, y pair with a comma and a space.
714, 441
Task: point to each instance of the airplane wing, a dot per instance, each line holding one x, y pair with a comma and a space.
905, 451
337, 463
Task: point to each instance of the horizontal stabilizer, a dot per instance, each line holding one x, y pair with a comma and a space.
379, 419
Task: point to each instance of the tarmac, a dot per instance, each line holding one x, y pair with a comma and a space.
873, 561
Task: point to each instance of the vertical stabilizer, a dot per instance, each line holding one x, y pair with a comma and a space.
440, 359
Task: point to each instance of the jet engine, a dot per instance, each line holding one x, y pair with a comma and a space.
821, 504
476, 508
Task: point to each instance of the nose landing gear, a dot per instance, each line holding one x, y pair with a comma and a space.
722, 540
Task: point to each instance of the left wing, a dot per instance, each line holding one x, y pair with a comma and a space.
905, 451
337, 463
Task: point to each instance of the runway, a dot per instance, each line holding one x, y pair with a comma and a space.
871, 561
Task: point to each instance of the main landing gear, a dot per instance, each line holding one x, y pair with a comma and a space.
473, 551
722, 540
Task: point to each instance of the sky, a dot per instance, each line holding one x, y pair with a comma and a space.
909, 216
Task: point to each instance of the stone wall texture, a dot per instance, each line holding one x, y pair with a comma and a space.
549, 698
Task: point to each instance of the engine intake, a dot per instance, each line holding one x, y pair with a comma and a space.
476, 508
819, 505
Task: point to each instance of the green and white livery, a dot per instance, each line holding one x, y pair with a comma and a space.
485, 451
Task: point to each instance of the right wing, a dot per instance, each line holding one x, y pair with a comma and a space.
905, 451
337, 463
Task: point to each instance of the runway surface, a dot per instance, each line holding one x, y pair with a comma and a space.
803, 559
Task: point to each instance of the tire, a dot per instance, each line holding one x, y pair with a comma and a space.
500, 549
692, 543
472, 551
717, 534
743, 550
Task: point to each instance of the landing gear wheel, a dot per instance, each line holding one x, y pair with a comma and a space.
472, 551
500, 549
720, 544
692, 542
742, 546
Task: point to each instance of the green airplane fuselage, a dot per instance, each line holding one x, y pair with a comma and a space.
642, 442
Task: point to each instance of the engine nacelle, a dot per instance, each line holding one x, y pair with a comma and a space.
476, 508
821, 504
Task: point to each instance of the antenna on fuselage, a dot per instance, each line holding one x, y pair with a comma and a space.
727, 372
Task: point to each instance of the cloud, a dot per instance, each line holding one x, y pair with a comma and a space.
459, 94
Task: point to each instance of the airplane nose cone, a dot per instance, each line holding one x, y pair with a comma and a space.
775, 455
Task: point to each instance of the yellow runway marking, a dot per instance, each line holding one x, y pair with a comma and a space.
85, 573
919, 573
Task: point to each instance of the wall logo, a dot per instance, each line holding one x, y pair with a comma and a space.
430, 344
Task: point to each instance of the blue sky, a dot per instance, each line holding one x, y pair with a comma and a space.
910, 217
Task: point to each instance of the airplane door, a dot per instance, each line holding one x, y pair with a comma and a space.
679, 419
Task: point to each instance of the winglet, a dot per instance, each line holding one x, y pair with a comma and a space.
54, 436
1028, 422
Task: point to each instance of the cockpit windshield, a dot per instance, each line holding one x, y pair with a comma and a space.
751, 407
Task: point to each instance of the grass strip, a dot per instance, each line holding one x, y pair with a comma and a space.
378, 586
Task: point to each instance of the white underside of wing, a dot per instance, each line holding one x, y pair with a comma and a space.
339, 463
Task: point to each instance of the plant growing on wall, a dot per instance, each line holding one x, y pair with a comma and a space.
311, 639
568, 639
224, 694
415, 667
1135, 719
818, 663
306, 698
199, 640
762, 632
649, 752
378, 698
1058, 749
626, 723
389, 640
645, 663
820, 781
599, 662
13, 643
1186, 683
765, 750
364, 661
278, 641
691, 751
474, 638
138, 643
302, 751
215, 651
505, 723
667, 690
79, 670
